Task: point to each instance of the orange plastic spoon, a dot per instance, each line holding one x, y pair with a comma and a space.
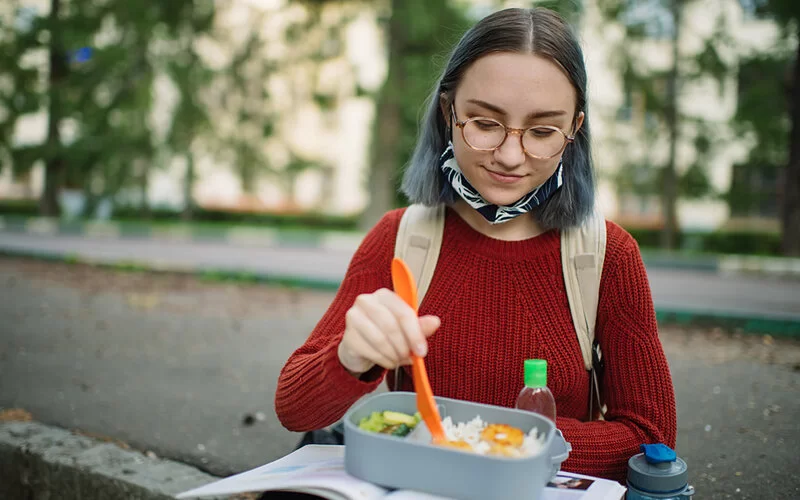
406, 288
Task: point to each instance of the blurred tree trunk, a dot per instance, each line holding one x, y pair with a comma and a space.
669, 194
387, 128
417, 48
188, 185
791, 186
54, 160
144, 180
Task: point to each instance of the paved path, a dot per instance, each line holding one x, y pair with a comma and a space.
693, 291
176, 366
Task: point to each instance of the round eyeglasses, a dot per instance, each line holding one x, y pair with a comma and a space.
487, 134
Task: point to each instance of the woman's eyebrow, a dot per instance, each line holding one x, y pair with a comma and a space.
531, 116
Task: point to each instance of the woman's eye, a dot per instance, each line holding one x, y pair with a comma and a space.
541, 132
487, 124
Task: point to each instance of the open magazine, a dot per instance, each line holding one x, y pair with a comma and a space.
319, 470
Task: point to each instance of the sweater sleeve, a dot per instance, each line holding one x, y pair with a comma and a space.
314, 389
636, 383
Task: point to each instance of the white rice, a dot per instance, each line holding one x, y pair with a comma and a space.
471, 433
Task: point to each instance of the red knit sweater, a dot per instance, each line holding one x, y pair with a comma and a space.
502, 302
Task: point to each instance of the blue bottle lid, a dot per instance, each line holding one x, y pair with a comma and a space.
658, 453
657, 470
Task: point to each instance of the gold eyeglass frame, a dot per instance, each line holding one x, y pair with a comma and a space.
510, 130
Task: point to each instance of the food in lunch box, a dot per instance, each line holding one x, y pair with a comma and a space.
390, 422
502, 435
474, 436
492, 439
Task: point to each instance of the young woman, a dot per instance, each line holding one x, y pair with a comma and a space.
505, 144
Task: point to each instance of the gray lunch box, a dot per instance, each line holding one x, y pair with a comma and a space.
414, 463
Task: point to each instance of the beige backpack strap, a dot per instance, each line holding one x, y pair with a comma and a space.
419, 241
583, 252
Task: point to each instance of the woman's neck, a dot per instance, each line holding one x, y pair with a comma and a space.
519, 228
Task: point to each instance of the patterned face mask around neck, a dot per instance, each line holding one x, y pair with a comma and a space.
496, 214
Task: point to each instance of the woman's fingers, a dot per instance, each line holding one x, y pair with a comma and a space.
388, 323
377, 357
352, 359
381, 329
381, 350
429, 325
409, 323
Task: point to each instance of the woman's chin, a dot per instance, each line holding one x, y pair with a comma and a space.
502, 199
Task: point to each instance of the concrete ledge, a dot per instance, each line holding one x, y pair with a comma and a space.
39, 462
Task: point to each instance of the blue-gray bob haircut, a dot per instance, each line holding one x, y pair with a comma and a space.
529, 31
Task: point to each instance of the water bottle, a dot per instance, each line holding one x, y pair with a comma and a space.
657, 474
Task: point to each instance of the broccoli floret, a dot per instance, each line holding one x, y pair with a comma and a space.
402, 430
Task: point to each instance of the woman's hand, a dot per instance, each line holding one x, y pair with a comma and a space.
381, 329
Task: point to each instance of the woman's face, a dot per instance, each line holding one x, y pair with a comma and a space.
520, 91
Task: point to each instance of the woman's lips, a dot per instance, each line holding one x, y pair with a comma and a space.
504, 178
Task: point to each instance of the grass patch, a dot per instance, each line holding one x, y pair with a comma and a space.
128, 266
731, 322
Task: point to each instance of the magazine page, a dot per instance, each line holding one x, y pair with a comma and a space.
317, 469
570, 486
565, 486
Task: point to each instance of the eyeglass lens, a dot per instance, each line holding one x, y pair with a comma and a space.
537, 141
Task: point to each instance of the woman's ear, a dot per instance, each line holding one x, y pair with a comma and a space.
444, 106
579, 122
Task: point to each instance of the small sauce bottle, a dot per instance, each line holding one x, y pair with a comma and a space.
536, 396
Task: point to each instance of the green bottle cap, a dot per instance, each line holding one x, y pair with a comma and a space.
536, 372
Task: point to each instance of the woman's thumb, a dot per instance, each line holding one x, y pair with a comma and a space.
429, 324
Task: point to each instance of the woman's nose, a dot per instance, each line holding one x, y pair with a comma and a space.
510, 154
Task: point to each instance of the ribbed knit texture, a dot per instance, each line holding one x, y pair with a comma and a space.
502, 302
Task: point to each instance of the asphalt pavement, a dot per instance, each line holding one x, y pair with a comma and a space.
695, 291
187, 369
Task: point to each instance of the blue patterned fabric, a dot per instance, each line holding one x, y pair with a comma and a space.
496, 214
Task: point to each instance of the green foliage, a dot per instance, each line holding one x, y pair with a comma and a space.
612, 9
762, 107
761, 116
709, 61
721, 242
658, 91
570, 10
694, 183
305, 221
640, 178
18, 90
107, 100
18, 207
785, 12
242, 88
753, 189
104, 98
423, 35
